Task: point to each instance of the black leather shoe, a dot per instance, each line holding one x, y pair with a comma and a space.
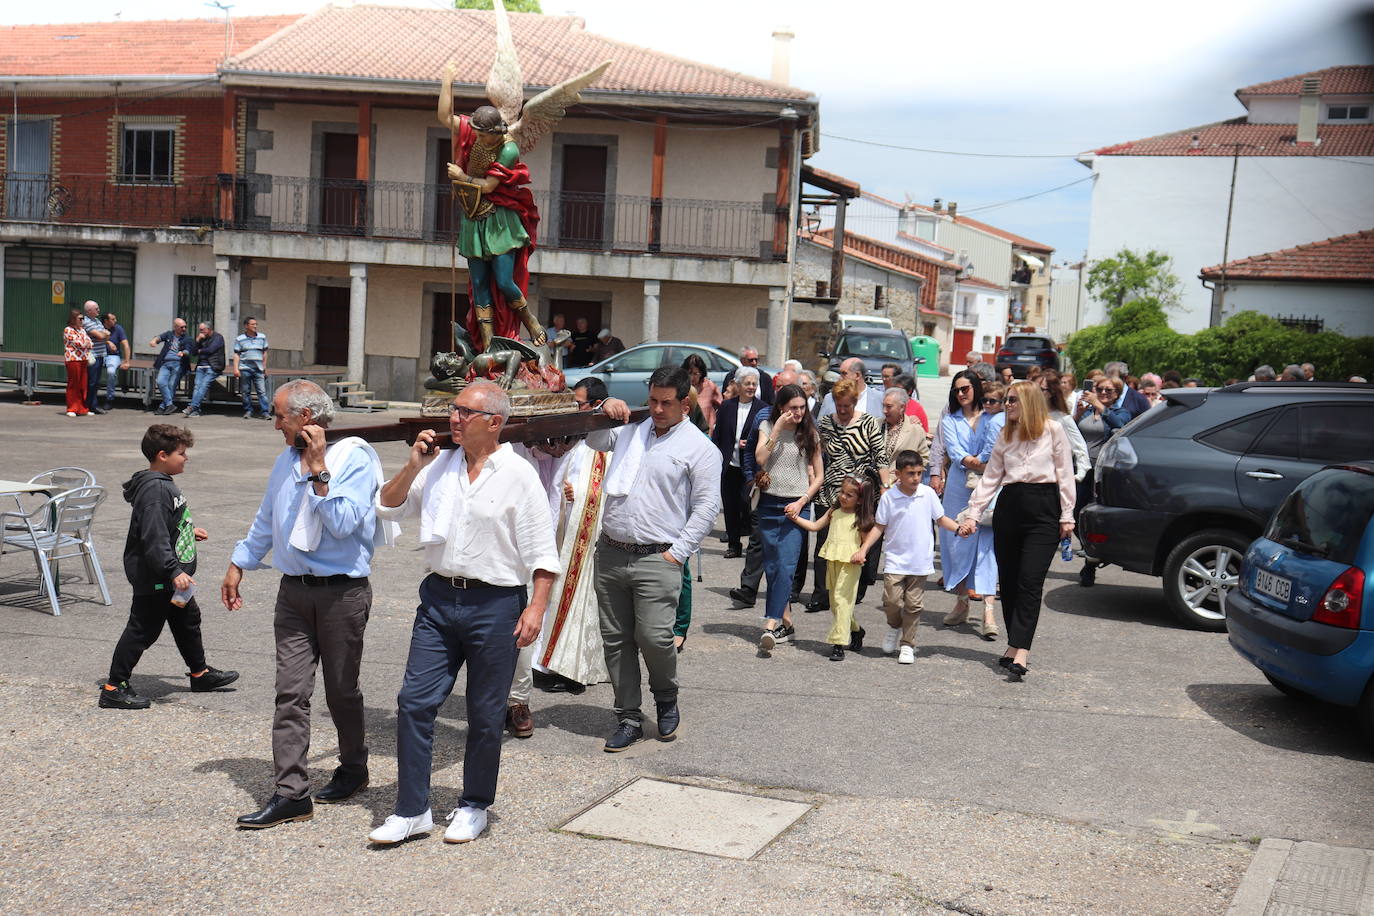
1087, 576
1017, 672
341, 787
279, 811
837, 653
856, 640
817, 604
626, 735
733, 553
668, 720
743, 597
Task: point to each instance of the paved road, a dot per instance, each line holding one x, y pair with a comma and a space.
1130, 772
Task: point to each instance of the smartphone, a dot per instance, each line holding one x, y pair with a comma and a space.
300, 442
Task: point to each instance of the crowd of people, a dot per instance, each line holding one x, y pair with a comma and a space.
567, 563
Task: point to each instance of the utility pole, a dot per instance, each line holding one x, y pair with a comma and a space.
1219, 300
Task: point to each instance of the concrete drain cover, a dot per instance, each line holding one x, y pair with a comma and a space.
657, 813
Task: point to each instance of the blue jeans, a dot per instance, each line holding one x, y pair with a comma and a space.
205, 376
782, 544
168, 377
112, 362
250, 379
454, 626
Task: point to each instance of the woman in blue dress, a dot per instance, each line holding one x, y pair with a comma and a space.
968, 564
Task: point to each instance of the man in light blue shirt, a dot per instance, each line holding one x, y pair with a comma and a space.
318, 520
250, 366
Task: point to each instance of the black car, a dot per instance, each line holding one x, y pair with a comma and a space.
1184, 488
876, 347
1021, 351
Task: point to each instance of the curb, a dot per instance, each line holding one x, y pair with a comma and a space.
1252, 897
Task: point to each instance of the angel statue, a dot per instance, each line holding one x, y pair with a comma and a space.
499, 220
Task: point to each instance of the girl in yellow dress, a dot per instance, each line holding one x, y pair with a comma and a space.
849, 520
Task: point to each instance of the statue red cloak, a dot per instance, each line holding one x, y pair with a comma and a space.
512, 194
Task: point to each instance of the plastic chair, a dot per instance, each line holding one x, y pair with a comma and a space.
59, 529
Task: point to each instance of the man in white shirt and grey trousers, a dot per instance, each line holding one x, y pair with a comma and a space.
486, 531
662, 498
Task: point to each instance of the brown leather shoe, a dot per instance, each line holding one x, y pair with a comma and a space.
519, 720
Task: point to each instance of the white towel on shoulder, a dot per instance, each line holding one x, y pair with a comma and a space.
439, 501
305, 534
625, 465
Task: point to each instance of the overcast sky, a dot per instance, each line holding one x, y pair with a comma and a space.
988, 76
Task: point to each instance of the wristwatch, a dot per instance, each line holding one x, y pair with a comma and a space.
321, 477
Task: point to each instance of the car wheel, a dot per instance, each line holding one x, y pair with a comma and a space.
1287, 689
1199, 573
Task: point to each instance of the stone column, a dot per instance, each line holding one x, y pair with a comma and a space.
652, 289
777, 325
357, 322
224, 299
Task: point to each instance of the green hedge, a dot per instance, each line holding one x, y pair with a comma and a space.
1139, 334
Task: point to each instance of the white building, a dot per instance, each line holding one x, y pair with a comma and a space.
1298, 160
1327, 285
1067, 295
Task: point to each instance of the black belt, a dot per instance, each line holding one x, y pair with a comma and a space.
465, 582
318, 581
641, 550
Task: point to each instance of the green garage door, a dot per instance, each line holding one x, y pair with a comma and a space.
33, 324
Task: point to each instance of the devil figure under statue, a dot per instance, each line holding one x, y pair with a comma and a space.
499, 220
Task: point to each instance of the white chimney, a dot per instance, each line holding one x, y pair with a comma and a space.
1309, 103
782, 54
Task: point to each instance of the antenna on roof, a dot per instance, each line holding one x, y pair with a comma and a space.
228, 25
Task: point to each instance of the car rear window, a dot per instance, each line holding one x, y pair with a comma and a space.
1329, 511
1027, 344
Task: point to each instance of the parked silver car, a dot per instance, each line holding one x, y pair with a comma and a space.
627, 373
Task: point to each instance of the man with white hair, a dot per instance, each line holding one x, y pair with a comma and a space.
486, 530
749, 357
607, 345
95, 328
318, 520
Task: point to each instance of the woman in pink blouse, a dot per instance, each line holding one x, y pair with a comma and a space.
1032, 464
76, 353
708, 395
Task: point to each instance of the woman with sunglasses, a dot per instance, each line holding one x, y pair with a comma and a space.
958, 433
1033, 466
971, 572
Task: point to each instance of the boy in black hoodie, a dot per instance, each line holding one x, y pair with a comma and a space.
159, 560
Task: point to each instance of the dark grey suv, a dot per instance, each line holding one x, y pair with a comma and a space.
1184, 488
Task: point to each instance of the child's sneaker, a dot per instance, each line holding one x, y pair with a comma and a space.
783, 633
894, 636
907, 656
122, 696
212, 679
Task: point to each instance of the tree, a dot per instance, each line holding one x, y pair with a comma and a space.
514, 6
1127, 277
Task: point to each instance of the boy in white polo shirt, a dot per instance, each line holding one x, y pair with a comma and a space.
904, 517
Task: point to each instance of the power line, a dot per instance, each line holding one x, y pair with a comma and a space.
947, 152
1017, 200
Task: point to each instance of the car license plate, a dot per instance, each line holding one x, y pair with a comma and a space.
1025, 359
1272, 585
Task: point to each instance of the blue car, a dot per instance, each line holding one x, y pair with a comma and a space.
1303, 612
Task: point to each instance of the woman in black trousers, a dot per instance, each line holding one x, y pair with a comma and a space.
1032, 464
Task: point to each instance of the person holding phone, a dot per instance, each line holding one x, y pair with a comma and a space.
318, 520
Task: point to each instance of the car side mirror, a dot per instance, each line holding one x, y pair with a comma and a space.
610, 367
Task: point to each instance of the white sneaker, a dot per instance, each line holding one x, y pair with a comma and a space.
894, 636
465, 825
907, 656
71, 413
396, 828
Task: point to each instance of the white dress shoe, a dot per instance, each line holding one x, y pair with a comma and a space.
894, 636
907, 657
465, 825
396, 828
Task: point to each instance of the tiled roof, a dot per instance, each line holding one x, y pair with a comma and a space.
147, 48
895, 255
980, 282
1348, 258
1335, 81
861, 255
406, 43
1018, 240
1258, 140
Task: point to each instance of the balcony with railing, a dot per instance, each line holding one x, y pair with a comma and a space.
96, 200
425, 212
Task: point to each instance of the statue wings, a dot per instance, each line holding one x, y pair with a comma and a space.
506, 90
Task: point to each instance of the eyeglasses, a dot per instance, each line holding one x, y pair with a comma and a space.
1013, 400
1105, 389
960, 389
749, 360
465, 414
990, 401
